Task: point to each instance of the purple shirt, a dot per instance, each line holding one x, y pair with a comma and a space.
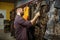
21, 28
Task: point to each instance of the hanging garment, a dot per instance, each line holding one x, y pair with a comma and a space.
50, 23
53, 26
26, 13
57, 4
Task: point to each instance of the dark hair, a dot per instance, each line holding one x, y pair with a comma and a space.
18, 7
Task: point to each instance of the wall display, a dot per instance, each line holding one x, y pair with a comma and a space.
3, 12
2, 17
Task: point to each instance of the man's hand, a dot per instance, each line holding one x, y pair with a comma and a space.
33, 21
37, 14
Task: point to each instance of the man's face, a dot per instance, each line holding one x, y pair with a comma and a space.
20, 10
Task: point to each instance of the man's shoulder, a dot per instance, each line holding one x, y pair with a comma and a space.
18, 19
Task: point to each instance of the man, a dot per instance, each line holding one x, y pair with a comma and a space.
22, 25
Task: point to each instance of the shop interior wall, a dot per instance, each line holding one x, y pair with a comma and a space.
8, 7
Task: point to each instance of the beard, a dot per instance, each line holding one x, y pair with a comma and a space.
22, 14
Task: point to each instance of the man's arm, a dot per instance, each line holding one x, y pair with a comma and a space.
33, 21
24, 23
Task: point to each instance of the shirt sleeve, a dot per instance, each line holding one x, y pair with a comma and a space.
24, 23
